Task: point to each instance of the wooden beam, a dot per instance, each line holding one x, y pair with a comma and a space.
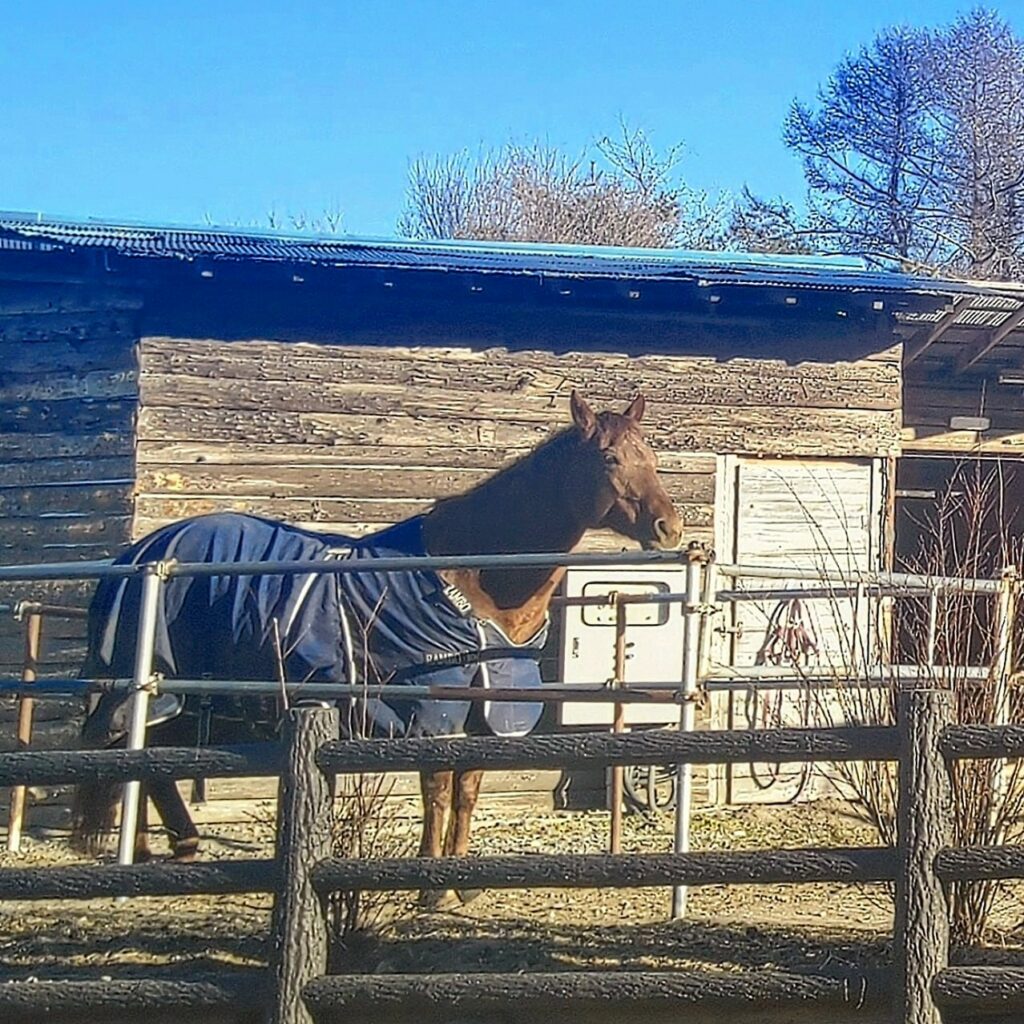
989, 342
930, 333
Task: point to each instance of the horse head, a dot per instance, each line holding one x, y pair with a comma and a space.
616, 476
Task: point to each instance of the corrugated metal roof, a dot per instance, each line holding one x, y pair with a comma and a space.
20, 231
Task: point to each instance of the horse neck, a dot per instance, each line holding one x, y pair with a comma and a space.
526, 508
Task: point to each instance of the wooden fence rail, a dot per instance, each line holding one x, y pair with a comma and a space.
67, 767
571, 750
922, 986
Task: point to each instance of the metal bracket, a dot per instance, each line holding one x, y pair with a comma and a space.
164, 569
701, 608
698, 698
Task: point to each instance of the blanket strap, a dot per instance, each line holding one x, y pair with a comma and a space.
459, 660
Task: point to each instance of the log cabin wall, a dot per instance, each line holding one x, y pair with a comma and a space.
352, 437
68, 393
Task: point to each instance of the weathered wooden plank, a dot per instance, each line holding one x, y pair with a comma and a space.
153, 511
957, 864
744, 431
983, 741
62, 471
371, 397
357, 482
49, 710
595, 540
102, 351
36, 534
75, 592
24, 447
70, 497
604, 377
290, 454
68, 416
272, 426
78, 327
48, 387
54, 735
351, 482
925, 441
64, 650
1001, 420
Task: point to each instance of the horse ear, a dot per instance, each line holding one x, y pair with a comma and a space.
635, 411
582, 415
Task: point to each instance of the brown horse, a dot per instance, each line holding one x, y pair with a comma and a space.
599, 473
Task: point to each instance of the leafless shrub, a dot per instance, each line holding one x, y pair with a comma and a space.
623, 191
367, 825
952, 640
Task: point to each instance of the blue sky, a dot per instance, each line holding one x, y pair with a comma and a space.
182, 111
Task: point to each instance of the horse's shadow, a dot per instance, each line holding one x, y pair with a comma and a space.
469, 945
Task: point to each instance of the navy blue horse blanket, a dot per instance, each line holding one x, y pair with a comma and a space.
361, 627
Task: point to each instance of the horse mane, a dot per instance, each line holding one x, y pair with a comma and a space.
523, 506
546, 455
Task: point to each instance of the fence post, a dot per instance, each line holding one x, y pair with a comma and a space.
693, 624
304, 809
923, 828
30, 666
1005, 615
142, 687
618, 723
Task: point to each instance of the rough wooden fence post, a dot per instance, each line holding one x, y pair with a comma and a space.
924, 827
299, 925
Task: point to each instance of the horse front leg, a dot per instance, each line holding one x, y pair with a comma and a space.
182, 832
466, 793
436, 790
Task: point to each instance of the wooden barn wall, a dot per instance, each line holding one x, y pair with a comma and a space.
351, 437
68, 392
934, 393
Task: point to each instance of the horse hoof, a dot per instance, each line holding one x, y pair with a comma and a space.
185, 851
468, 895
438, 899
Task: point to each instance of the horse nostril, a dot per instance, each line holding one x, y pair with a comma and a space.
667, 532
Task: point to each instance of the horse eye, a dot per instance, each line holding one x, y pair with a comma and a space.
611, 459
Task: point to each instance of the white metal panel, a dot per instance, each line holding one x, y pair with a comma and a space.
654, 638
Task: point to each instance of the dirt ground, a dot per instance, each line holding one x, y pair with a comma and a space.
789, 927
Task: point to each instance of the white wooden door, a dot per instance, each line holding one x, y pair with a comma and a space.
820, 514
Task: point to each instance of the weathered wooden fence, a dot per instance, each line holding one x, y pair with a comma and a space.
921, 989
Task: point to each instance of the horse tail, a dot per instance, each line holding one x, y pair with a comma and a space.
94, 803
92, 815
